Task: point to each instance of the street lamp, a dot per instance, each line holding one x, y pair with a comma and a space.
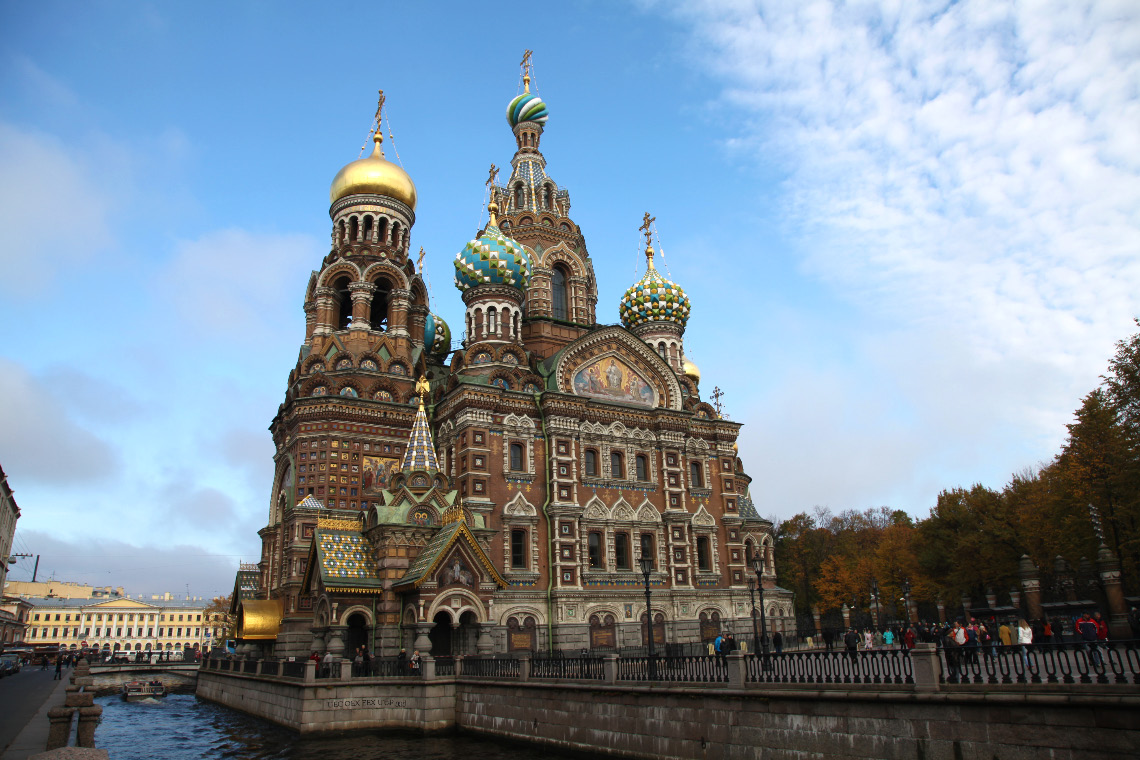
755, 630
875, 602
758, 566
646, 563
906, 598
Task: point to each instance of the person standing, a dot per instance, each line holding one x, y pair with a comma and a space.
58, 668
778, 641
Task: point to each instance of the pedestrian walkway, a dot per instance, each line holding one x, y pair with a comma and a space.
33, 738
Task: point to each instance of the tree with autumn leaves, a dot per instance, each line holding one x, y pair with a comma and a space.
973, 539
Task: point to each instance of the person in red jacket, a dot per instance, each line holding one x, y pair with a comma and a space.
1101, 627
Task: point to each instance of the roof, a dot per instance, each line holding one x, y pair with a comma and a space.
121, 603
259, 619
345, 561
420, 454
434, 552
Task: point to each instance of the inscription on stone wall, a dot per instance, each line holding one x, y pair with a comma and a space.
352, 704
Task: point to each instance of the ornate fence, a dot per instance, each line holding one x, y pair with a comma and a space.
570, 668
876, 666
488, 667
1102, 663
272, 668
693, 669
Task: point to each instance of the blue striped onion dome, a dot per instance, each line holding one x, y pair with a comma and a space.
527, 107
437, 336
654, 299
492, 258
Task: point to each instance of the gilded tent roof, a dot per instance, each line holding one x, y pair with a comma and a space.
259, 619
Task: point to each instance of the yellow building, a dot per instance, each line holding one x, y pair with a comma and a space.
122, 624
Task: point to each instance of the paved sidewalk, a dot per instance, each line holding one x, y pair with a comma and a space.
33, 739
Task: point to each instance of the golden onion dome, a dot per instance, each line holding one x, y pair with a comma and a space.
691, 371
374, 175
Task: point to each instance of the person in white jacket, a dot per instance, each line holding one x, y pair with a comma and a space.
1024, 638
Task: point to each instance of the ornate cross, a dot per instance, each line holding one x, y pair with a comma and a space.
420, 260
645, 228
492, 176
379, 108
526, 67
717, 395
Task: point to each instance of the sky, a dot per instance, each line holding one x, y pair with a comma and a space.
909, 230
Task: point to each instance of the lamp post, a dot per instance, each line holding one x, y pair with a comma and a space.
646, 563
906, 598
755, 629
875, 602
758, 566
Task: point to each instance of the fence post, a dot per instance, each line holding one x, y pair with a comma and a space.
459, 665
60, 730
427, 665
310, 671
524, 667
609, 667
927, 667
257, 668
737, 669
345, 669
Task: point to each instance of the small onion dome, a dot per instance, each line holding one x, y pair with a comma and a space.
437, 336
691, 371
654, 299
736, 447
374, 175
526, 107
492, 258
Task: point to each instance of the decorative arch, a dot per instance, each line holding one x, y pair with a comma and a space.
470, 603
625, 349
622, 511
334, 271
519, 507
385, 270
702, 519
647, 513
596, 510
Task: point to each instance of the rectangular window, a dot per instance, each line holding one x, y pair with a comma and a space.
621, 551
642, 467
518, 548
695, 469
703, 559
595, 551
617, 467
591, 463
517, 457
647, 548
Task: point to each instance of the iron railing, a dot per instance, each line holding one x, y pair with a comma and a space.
573, 668
1102, 663
293, 669
691, 669
272, 668
487, 667
874, 666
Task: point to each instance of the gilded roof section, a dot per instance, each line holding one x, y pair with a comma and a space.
345, 559
259, 619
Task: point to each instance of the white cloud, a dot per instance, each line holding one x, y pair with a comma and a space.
966, 172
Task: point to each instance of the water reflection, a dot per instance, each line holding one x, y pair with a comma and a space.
181, 727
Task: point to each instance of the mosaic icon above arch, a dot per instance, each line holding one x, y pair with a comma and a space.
612, 379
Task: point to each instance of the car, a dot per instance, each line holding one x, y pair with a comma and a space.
9, 664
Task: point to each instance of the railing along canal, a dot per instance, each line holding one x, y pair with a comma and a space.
1102, 663
489, 667
874, 666
569, 668
692, 669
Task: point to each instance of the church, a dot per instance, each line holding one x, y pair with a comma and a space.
518, 488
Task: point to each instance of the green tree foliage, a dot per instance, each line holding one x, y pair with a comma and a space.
973, 539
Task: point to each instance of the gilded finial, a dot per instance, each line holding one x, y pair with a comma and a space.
527, 67
420, 260
378, 133
493, 206
423, 387
647, 229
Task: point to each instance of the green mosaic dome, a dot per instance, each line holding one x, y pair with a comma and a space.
654, 299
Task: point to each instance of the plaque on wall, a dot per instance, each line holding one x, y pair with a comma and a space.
522, 640
602, 638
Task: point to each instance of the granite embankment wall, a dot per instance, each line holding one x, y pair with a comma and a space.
779, 724
703, 723
331, 705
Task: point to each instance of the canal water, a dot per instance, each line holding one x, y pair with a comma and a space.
182, 727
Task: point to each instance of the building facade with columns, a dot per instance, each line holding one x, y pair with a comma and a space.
498, 492
120, 624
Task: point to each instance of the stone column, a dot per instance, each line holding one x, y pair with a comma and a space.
609, 667
1108, 567
1015, 598
423, 642
927, 666
89, 718
991, 598
485, 644
310, 671
1031, 587
737, 669
60, 730
361, 304
318, 643
335, 640
524, 667
398, 303
427, 667
346, 670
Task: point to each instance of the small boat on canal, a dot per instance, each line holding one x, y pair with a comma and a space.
134, 691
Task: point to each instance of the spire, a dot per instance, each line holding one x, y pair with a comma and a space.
420, 454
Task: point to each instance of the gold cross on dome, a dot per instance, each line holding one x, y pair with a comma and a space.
492, 176
717, 395
645, 227
420, 260
526, 67
379, 107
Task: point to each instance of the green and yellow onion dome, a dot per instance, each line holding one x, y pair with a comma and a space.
492, 259
437, 336
654, 299
374, 175
526, 107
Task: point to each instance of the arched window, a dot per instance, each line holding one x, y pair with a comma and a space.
368, 229
617, 466
492, 323
518, 196
382, 231
344, 303
395, 234
341, 237
559, 306
378, 317
642, 464
695, 469
661, 351
517, 453
591, 463
548, 198
353, 228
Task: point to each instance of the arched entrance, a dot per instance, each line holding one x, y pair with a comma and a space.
356, 634
441, 635
467, 635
